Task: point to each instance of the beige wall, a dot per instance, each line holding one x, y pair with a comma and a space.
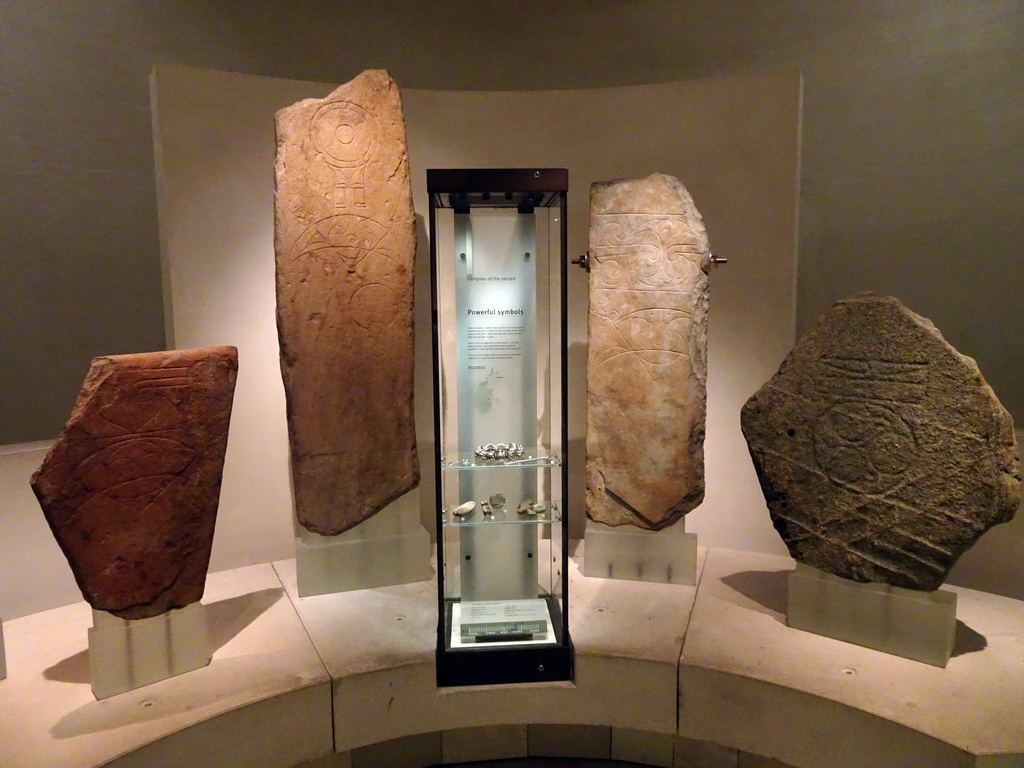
912, 150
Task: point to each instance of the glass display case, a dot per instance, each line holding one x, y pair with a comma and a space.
497, 246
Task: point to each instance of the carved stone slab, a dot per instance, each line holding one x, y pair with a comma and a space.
882, 452
647, 352
131, 487
345, 241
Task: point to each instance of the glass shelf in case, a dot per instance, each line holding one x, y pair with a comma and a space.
498, 247
541, 513
528, 460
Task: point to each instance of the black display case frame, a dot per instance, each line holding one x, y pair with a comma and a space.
510, 658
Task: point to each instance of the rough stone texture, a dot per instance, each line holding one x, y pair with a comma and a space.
882, 452
131, 487
345, 240
647, 353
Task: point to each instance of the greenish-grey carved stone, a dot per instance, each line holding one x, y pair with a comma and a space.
882, 452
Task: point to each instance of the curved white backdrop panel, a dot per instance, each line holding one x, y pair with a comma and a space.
734, 143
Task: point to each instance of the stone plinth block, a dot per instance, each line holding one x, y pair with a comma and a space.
125, 655
882, 452
647, 353
910, 623
131, 487
345, 240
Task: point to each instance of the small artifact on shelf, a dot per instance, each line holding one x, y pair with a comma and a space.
485, 506
647, 352
497, 500
130, 489
881, 451
499, 452
345, 244
465, 509
527, 507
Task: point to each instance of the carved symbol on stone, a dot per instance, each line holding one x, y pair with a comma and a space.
881, 380
654, 252
342, 241
849, 448
862, 441
655, 338
345, 242
346, 136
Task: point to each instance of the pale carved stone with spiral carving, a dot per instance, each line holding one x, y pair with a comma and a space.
647, 353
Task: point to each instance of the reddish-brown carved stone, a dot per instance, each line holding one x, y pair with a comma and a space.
345, 241
130, 489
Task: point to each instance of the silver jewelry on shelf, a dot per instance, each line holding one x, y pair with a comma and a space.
499, 452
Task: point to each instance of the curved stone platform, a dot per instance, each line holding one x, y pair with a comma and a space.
665, 675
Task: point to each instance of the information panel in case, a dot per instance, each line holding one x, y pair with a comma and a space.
498, 620
498, 276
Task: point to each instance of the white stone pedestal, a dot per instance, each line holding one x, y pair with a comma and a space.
392, 547
903, 622
126, 654
668, 556
3, 656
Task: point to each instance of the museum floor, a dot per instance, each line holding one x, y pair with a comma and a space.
665, 675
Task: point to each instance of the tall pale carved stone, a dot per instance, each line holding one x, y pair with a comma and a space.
882, 452
647, 353
131, 487
345, 241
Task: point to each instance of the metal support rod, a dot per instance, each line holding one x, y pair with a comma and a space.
583, 261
